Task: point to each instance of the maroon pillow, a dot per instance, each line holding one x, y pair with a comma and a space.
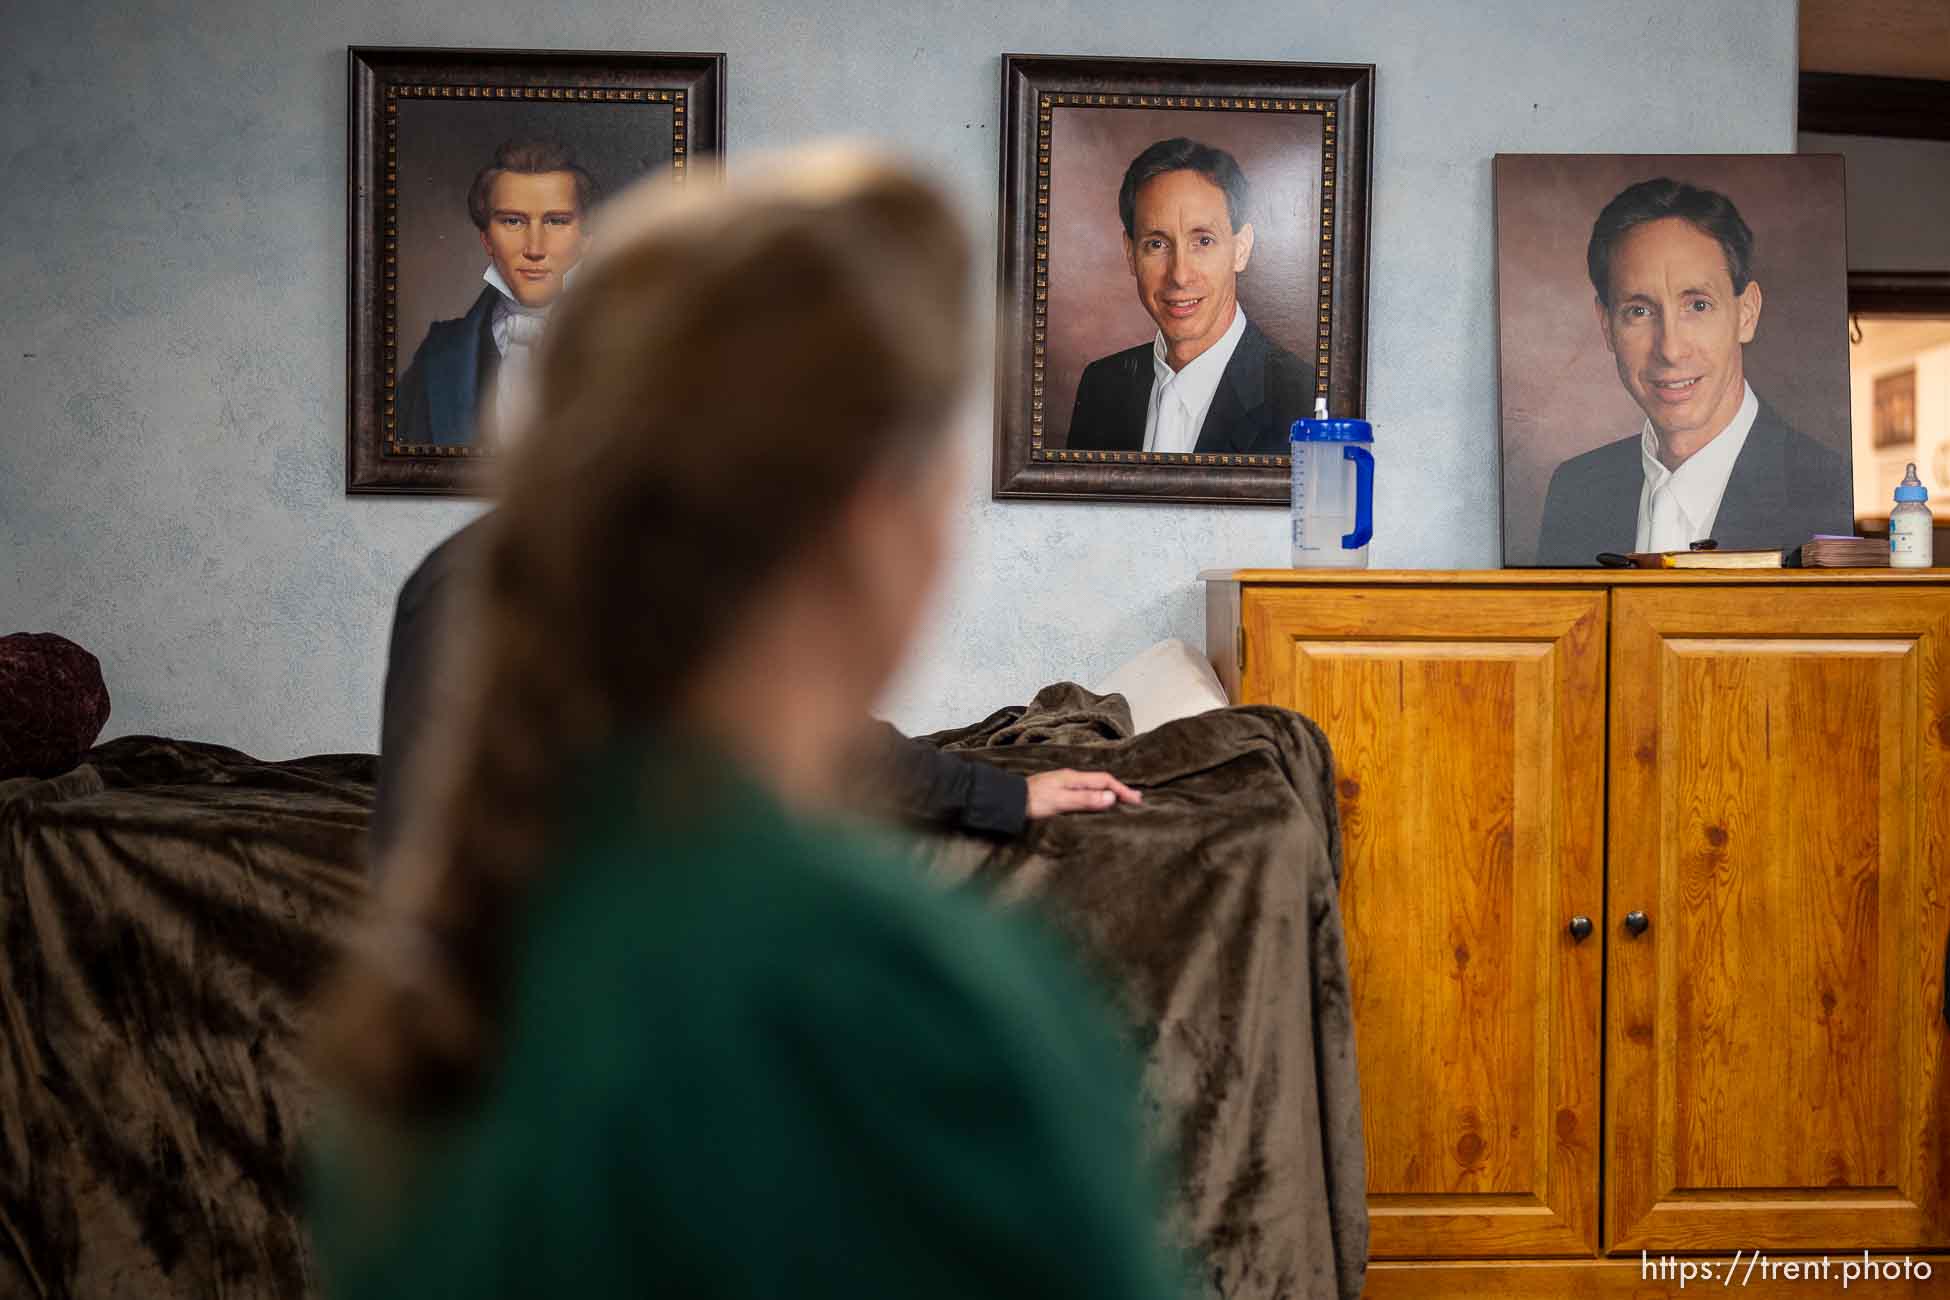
53, 703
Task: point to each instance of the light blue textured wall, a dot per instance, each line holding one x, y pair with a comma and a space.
172, 392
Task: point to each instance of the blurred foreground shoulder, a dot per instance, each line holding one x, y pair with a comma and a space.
965, 1112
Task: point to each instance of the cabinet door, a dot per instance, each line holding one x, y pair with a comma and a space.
1468, 733
1780, 815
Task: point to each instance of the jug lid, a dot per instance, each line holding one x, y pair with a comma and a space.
1331, 431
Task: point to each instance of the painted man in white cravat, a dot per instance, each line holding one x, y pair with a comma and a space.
1677, 302
1209, 380
530, 206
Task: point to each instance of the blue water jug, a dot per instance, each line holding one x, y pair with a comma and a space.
1333, 491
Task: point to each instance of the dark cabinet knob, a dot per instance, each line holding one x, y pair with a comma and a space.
1580, 928
1636, 922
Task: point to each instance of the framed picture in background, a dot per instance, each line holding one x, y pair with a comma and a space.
1895, 409
1899, 346
1183, 271
1672, 347
473, 185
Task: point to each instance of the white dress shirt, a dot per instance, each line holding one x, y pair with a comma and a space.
1677, 507
1180, 398
516, 330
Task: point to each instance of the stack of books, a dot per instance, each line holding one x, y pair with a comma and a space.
1817, 553
1697, 558
1843, 553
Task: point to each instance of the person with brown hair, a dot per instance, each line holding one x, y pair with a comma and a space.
635, 1015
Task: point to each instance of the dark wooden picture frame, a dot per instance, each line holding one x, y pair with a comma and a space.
384, 83
1333, 270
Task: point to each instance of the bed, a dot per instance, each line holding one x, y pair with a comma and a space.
167, 908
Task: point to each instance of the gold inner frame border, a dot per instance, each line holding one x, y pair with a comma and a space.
677, 97
1047, 103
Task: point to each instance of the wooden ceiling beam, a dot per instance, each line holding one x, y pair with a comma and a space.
1877, 38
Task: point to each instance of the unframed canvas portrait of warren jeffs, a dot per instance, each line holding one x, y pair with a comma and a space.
493, 175
1671, 349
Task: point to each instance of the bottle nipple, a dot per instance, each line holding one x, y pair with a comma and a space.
1911, 488
1320, 413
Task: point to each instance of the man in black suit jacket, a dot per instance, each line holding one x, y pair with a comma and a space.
909, 776
1209, 381
451, 378
1263, 390
1677, 303
1782, 491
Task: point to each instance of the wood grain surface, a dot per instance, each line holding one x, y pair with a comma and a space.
1775, 1047
1759, 763
1468, 734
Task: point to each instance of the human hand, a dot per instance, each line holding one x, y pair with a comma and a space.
1063, 791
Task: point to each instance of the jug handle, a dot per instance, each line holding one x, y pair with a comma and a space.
1364, 498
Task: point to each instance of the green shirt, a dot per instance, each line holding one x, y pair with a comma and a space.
748, 1056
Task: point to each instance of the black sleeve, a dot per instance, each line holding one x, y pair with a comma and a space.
411, 658
1556, 537
949, 790
1086, 432
1289, 397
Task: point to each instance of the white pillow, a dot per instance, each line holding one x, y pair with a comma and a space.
1170, 680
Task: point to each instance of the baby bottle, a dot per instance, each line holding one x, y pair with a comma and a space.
1333, 491
1912, 545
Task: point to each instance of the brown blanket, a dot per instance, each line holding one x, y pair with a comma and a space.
167, 908
1214, 908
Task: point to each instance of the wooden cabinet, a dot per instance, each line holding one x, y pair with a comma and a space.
1742, 783
1469, 736
1780, 812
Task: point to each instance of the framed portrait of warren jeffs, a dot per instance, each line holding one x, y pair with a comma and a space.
1672, 347
1183, 271
473, 176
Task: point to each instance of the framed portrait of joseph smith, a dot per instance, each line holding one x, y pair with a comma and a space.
1183, 272
476, 179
